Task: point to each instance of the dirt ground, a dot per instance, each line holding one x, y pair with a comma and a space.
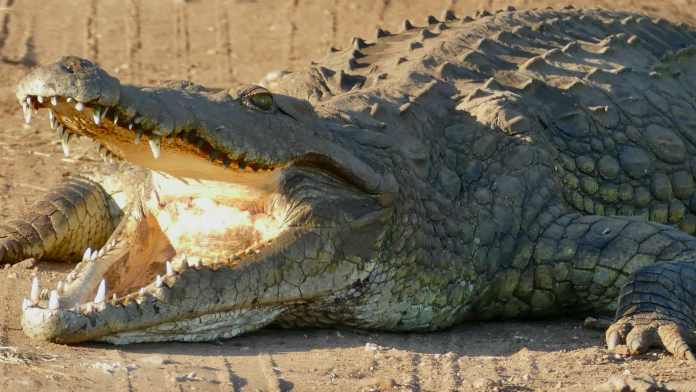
220, 44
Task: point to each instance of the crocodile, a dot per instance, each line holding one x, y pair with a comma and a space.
515, 164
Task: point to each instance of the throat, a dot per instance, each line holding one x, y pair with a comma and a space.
213, 219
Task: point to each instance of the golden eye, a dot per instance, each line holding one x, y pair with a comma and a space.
262, 101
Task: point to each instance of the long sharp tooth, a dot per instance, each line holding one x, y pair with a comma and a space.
53, 300
80, 106
59, 288
226, 163
94, 256
101, 253
158, 282
213, 155
27, 116
96, 113
51, 116
101, 292
117, 114
170, 270
54, 101
60, 129
114, 299
29, 101
138, 135
25, 304
142, 292
69, 278
34, 293
40, 98
88, 255
156, 145
65, 142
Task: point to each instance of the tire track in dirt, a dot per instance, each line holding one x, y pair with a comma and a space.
333, 25
134, 41
91, 39
224, 46
292, 12
268, 368
183, 39
6, 9
450, 361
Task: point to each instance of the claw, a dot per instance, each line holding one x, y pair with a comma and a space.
613, 340
636, 346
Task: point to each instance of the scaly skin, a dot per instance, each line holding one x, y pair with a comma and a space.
520, 164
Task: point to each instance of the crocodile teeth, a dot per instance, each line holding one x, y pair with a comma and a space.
197, 263
107, 247
27, 116
101, 253
53, 300
40, 98
97, 113
158, 282
29, 101
60, 129
142, 292
88, 308
65, 142
59, 287
54, 101
114, 299
25, 304
77, 307
138, 135
69, 278
101, 292
130, 126
200, 143
242, 166
80, 106
117, 114
25, 107
34, 293
226, 162
88, 255
156, 145
68, 99
213, 155
51, 117
94, 256
170, 270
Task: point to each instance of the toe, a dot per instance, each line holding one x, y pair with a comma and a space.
641, 338
613, 339
674, 341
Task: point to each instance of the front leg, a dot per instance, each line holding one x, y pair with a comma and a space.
657, 307
75, 214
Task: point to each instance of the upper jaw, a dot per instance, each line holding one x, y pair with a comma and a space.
185, 130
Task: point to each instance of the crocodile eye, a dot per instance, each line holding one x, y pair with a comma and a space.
262, 101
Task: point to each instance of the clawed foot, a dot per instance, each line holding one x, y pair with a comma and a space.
642, 331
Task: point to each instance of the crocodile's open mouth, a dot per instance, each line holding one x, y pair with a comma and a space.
211, 205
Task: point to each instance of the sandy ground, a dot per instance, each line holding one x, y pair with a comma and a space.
221, 44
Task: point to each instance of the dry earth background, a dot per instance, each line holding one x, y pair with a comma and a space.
221, 44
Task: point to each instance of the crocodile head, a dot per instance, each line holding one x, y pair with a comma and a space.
245, 206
